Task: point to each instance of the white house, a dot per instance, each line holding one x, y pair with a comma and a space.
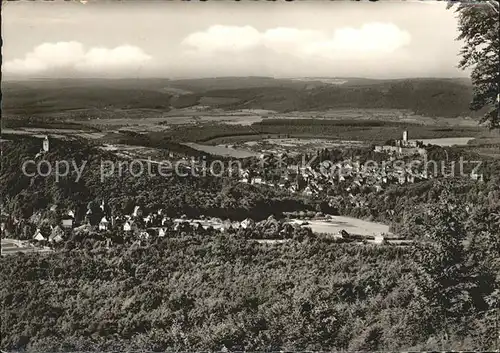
38, 236
127, 227
67, 222
379, 239
161, 232
476, 176
257, 180
308, 190
57, 235
103, 224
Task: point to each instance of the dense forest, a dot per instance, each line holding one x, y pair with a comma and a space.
205, 292
178, 195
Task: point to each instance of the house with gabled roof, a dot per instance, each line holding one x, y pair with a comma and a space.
104, 224
38, 236
476, 176
88, 216
247, 223
147, 219
127, 226
57, 234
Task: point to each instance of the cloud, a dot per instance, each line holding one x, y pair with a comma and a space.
74, 56
223, 38
372, 39
289, 40
125, 56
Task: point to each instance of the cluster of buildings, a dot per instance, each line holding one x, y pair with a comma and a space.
403, 147
349, 177
155, 224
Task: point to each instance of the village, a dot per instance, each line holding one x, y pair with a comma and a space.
352, 176
157, 225
348, 179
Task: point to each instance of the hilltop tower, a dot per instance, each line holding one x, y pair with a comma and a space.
45, 144
405, 137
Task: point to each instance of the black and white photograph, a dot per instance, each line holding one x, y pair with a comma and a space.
250, 176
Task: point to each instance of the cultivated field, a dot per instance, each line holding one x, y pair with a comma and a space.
202, 113
335, 224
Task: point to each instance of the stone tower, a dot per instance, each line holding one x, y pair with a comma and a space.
45, 144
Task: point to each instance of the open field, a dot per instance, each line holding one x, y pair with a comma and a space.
295, 145
248, 116
321, 143
367, 131
448, 141
12, 246
222, 150
192, 115
378, 114
335, 224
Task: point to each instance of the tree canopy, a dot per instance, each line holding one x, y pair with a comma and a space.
479, 27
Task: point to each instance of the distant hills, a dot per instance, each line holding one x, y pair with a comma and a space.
434, 97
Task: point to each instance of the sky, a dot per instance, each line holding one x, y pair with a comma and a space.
174, 39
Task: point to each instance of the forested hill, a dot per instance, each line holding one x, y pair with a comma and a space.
429, 97
177, 195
